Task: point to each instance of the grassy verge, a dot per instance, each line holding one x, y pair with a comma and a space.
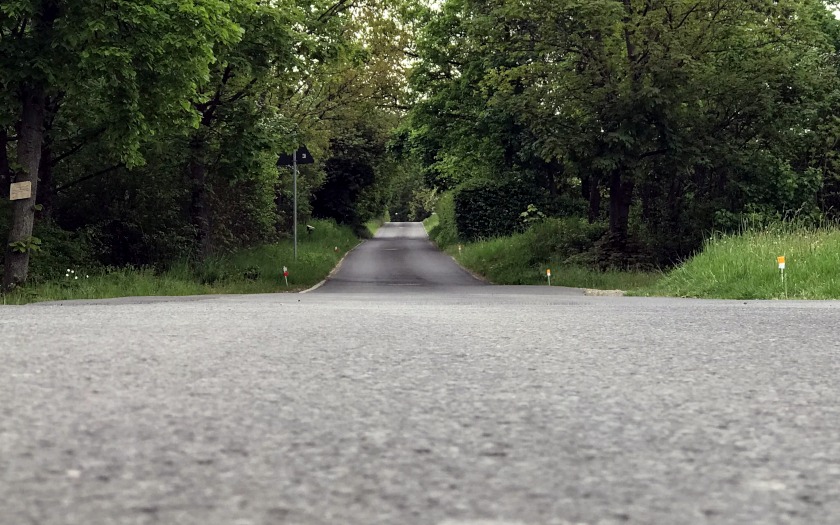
431, 223
744, 266
258, 270
524, 258
373, 225
509, 260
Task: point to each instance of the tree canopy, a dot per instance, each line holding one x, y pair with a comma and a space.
670, 117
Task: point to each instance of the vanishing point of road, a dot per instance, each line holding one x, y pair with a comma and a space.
406, 392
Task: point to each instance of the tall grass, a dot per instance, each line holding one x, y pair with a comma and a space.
744, 266
256, 270
509, 260
372, 226
431, 223
556, 244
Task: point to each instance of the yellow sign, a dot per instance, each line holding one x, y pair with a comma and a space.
548, 272
20, 191
781, 261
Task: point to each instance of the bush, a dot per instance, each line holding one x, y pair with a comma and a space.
565, 239
446, 232
563, 245
60, 250
487, 209
422, 204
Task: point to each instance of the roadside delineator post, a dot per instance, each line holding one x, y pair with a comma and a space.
548, 274
286, 276
781, 261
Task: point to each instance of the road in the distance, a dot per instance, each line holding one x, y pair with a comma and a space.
398, 257
493, 405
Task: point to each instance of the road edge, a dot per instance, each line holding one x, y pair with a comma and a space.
474, 275
334, 270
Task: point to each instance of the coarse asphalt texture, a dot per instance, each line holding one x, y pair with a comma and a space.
406, 392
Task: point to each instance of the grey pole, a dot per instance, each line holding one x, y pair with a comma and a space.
294, 164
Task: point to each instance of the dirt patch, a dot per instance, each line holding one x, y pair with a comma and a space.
605, 293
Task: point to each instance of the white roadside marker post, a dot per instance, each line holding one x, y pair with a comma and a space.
548, 274
286, 276
781, 261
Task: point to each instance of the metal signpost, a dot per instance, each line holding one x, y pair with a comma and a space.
294, 185
301, 156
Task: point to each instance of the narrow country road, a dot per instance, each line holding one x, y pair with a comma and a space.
406, 392
400, 255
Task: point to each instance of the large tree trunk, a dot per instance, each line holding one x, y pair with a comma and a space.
200, 199
30, 140
5, 172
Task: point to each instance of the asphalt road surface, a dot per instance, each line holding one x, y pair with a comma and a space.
405, 392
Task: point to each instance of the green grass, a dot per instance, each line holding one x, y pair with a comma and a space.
373, 225
524, 258
257, 270
506, 261
744, 266
431, 222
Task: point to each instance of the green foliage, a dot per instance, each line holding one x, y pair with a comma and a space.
163, 120
485, 209
671, 113
422, 204
569, 240
744, 265
532, 215
444, 230
54, 250
523, 258
256, 270
31, 245
372, 226
351, 172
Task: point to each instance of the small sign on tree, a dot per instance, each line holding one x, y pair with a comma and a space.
20, 191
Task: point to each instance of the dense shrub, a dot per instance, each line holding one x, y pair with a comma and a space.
445, 233
486, 209
59, 251
569, 238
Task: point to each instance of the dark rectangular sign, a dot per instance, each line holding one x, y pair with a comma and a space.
303, 157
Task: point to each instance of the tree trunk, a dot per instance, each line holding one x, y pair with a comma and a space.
550, 171
46, 183
5, 171
594, 200
621, 197
30, 140
200, 201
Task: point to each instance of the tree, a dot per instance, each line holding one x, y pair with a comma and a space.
639, 100
138, 62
